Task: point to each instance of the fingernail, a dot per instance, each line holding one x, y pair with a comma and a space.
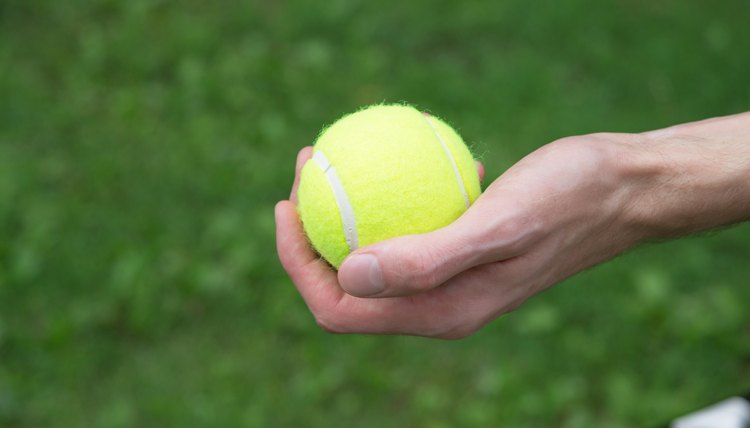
361, 276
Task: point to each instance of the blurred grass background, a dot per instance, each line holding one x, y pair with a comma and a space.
143, 145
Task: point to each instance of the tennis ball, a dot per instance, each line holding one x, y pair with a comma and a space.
382, 172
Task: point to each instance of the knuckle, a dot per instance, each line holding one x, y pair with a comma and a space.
328, 324
594, 147
512, 307
589, 147
458, 332
419, 270
459, 327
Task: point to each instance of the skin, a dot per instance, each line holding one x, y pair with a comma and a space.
570, 205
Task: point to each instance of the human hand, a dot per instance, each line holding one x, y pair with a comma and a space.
570, 205
558, 211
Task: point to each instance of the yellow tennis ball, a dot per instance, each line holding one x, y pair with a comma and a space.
382, 172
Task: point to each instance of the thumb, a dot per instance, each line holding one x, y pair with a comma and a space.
416, 263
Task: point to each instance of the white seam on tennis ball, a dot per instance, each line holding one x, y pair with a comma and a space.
453, 161
342, 200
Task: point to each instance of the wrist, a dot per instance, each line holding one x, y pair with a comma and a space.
684, 179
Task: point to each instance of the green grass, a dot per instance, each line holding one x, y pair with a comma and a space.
143, 145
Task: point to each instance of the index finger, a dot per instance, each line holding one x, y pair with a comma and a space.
315, 280
302, 157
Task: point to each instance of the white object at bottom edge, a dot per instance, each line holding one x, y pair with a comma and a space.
731, 413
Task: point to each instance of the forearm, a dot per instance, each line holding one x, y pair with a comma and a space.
689, 177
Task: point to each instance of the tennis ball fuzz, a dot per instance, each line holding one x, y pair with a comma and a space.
382, 172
